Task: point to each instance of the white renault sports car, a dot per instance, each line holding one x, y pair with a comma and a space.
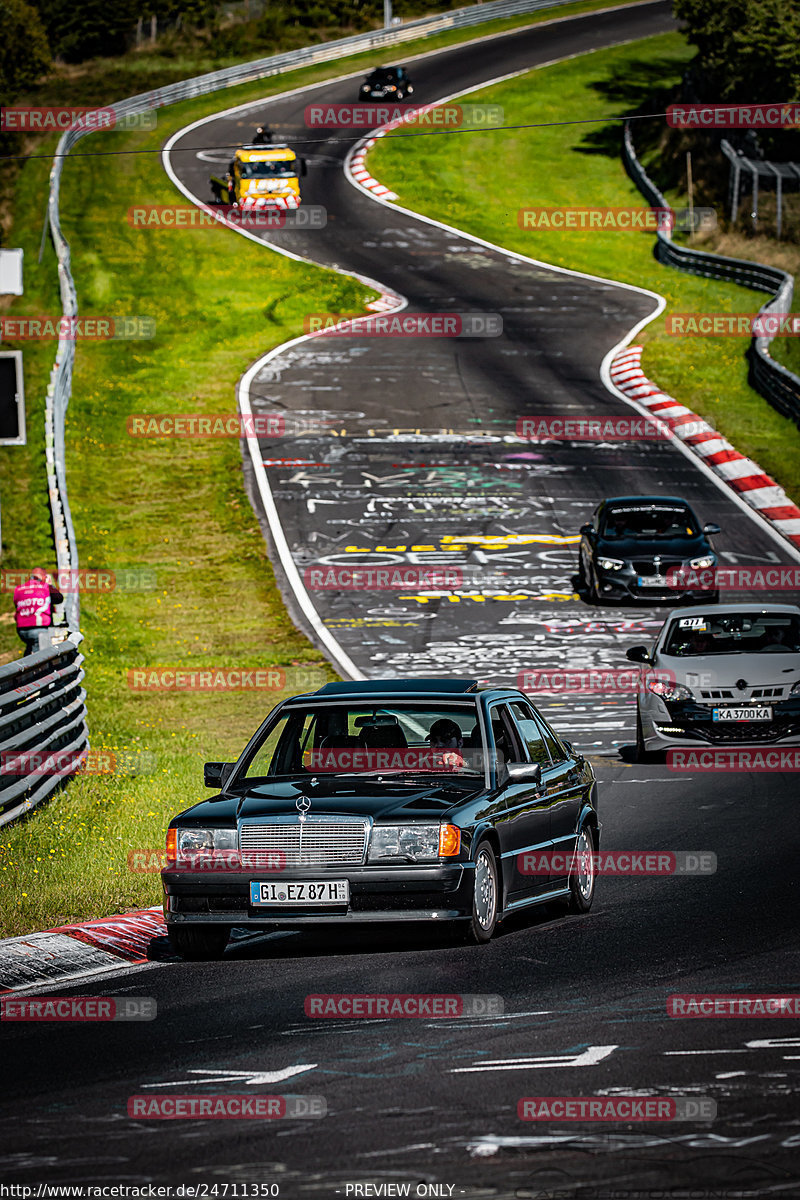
727, 675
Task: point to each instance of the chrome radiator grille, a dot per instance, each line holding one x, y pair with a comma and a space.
324, 843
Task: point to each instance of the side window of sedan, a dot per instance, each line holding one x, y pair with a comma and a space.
532, 734
506, 739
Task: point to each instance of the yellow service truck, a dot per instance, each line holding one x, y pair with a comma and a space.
261, 176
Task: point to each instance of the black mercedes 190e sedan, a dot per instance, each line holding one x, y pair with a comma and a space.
385, 800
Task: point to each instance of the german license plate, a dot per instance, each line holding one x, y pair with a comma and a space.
653, 581
751, 713
306, 891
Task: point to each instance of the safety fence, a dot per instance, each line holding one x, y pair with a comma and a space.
42, 725
774, 381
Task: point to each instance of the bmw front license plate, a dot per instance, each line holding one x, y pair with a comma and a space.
653, 581
751, 713
307, 891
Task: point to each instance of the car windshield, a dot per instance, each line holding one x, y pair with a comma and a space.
268, 170
383, 77
647, 521
734, 633
365, 739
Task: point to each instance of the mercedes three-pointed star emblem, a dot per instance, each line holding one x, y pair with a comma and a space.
302, 804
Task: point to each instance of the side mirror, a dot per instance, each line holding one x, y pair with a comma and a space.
524, 773
303, 166
588, 530
217, 774
638, 654
711, 529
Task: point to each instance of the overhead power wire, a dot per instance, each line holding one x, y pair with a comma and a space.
326, 141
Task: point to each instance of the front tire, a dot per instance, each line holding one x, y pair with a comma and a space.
641, 749
582, 876
485, 896
199, 944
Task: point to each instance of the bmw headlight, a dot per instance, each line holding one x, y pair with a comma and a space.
669, 691
706, 560
413, 843
610, 564
795, 689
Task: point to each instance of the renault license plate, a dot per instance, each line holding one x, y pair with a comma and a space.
750, 713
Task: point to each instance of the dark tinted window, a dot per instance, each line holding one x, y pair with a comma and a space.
533, 734
506, 738
648, 521
733, 633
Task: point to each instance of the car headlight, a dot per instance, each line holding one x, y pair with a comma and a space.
390, 87
610, 564
698, 564
189, 840
795, 689
413, 843
669, 691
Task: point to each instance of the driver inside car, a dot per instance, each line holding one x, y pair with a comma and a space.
446, 735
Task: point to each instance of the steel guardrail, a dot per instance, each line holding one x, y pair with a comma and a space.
42, 713
778, 385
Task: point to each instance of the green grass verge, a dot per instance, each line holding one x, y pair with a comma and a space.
479, 182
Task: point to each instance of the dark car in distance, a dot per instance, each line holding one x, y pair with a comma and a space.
635, 546
422, 800
386, 83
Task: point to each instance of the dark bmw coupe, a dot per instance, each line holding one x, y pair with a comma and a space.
385, 800
635, 545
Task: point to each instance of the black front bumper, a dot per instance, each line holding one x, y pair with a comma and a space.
420, 893
616, 585
696, 721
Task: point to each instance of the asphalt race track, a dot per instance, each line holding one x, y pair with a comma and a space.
433, 1100
412, 441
